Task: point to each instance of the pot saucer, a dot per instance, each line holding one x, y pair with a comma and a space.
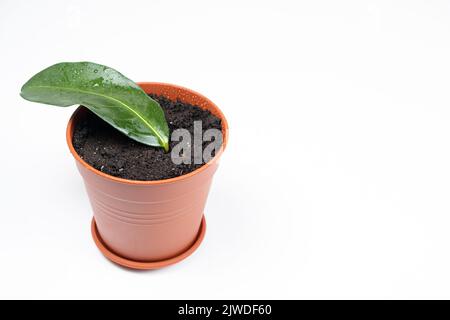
141, 265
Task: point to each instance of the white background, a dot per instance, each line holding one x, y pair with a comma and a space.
336, 181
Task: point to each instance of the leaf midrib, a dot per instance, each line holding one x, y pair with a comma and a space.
107, 97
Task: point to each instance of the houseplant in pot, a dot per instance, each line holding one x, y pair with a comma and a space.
147, 153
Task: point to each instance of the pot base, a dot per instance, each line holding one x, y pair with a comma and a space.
141, 265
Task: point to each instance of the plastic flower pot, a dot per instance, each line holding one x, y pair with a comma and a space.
149, 224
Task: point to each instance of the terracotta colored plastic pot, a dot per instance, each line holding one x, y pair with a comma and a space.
149, 224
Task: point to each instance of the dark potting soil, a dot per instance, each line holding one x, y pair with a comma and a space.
112, 152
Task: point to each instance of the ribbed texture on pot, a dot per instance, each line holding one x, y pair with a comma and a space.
150, 220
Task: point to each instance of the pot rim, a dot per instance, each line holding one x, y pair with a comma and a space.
211, 105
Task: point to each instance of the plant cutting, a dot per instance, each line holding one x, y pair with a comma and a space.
134, 145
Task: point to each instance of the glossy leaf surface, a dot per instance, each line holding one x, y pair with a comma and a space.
106, 92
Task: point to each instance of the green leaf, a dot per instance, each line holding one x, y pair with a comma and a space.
106, 92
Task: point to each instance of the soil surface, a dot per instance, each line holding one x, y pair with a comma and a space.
112, 152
